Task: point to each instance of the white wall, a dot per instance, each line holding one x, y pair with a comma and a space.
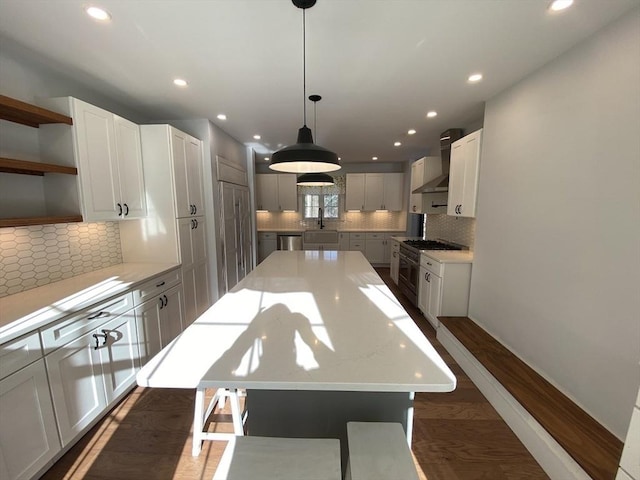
556, 274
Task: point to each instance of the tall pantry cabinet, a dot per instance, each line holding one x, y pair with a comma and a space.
174, 230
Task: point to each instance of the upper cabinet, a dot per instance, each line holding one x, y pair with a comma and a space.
187, 171
422, 171
463, 176
374, 191
33, 192
108, 152
276, 192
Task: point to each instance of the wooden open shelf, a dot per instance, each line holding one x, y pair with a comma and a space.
26, 114
10, 165
27, 221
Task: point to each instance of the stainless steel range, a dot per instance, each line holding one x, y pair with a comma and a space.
409, 270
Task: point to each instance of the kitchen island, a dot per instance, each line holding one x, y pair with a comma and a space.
316, 338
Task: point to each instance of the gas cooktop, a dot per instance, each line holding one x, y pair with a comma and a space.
430, 245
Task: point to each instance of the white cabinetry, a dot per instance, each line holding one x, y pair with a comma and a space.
463, 178
175, 229
92, 358
109, 158
395, 260
267, 244
375, 247
424, 170
374, 191
277, 192
28, 437
343, 241
357, 241
158, 321
443, 289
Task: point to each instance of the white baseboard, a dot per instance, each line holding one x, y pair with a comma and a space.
553, 459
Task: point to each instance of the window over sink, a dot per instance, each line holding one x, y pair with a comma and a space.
329, 202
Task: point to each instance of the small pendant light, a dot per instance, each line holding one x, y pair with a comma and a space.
315, 179
304, 156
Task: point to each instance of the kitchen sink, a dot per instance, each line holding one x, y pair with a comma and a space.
321, 236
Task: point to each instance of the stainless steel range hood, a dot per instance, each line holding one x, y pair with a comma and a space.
441, 182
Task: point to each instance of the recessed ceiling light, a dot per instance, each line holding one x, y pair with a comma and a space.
411, 132
339, 158
397, 144
179, 82
476, 77
222, 116
98, 13
257, 137
558, 5
266, 159
374, 158
432, 114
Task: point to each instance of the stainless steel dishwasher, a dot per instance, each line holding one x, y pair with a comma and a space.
289, 241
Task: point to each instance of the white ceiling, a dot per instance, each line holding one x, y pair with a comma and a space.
379, 65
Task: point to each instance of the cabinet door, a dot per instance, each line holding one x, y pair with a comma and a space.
434, 300
198, 240
148, 328
129, 158
374, 191
423, 290
267, 192
343, 241
28, 437
266, 244
77, 386
201, 284
189, 289
171, 315
355, 191
471, 171
375, 247
97, 164
456, 177
393, 191
185, 226
287, 192
180, 174
119, 354
395, 261
417, 179
194, 174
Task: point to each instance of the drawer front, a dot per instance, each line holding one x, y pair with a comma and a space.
395, 246
375, 236
267, 235
431, 265
156, 286
356, 245
78, 324
19, 353
357, 236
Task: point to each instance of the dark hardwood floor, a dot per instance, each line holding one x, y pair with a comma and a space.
456, 436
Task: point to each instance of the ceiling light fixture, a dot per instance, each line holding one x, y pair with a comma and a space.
222, 116
98, 13
397, 144
374, 158
304, 156
257, 137
558, 5
476, 77
411, 132
432, 114
179, 82
315, 179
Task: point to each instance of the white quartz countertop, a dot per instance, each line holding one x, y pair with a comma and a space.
31, 309
304, 320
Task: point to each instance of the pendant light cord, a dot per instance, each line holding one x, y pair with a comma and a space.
304, 66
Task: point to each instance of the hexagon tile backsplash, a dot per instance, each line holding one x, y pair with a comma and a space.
34, 256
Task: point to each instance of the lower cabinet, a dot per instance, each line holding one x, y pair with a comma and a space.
158, 321
267, 244
443, 289
87, 373
28, 435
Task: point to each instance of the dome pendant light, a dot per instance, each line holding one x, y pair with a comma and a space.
304, 156
315, 179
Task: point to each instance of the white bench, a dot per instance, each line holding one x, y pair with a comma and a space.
378, 451
271, 458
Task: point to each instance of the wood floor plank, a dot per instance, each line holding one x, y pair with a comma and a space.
456, 436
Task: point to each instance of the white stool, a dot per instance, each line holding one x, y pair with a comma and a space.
200, 416
378, 451
271, 458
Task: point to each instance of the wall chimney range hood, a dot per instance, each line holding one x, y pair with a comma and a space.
441, 182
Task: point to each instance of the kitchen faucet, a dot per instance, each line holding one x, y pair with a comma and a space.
320, 218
